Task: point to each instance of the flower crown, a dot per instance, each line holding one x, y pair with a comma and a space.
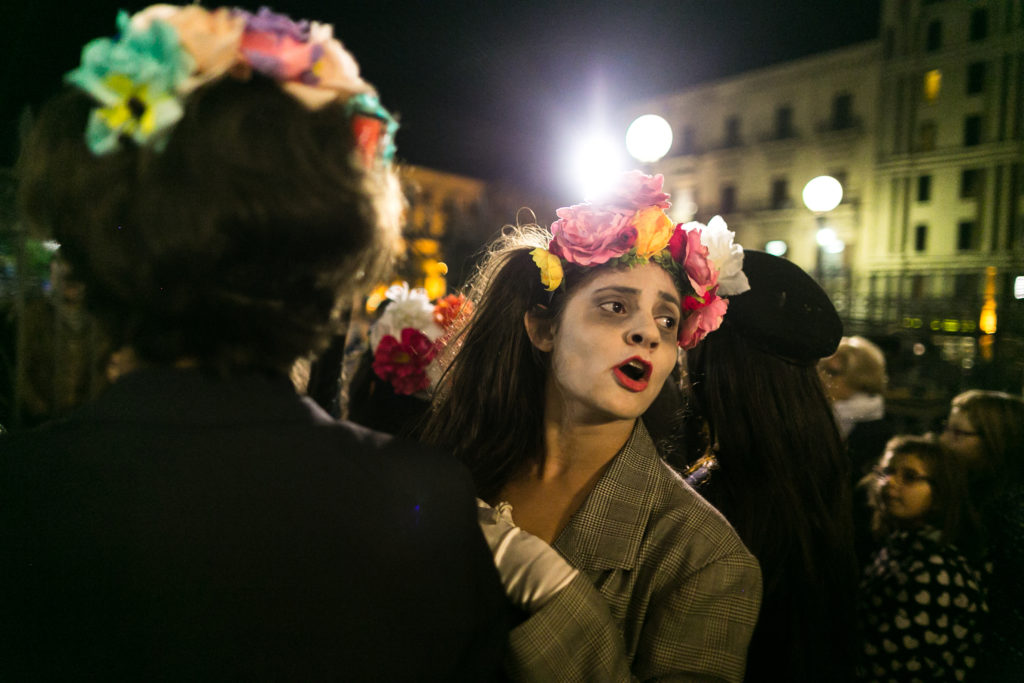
629, 227
142, 78
408, 335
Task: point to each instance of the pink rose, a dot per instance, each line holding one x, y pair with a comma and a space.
589, 236
706, 314
686, 249
635, 191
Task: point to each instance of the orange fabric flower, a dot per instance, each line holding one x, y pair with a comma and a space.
653, 231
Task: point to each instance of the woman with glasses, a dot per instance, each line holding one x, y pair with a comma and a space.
985, 430
921, 600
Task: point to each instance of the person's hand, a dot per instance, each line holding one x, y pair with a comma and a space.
531, 570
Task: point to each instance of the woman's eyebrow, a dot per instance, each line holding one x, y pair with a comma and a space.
670, 298
617, 289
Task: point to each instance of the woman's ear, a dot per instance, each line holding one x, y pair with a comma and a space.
540, 329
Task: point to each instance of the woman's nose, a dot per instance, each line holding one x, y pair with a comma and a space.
644, 334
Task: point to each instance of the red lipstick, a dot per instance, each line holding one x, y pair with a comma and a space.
633, 373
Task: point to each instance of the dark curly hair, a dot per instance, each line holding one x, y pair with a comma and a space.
232, 246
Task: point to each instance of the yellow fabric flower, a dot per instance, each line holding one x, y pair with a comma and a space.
138, 113
550, 268
653, 231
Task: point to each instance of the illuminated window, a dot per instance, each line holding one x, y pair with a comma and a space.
932, 84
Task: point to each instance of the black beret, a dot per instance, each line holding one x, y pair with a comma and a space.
785, 312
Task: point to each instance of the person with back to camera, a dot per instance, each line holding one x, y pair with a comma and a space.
622, 570
855, 379
985, 430
921, 602
218, 180
766, 453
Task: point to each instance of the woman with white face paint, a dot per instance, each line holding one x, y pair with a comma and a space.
621, 569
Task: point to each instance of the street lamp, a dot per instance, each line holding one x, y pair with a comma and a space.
648, 138
821, 195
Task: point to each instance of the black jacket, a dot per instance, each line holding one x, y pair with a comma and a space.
183, 527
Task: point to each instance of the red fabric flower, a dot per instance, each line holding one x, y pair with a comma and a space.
686, 249
447, 309
706, 313
403, 363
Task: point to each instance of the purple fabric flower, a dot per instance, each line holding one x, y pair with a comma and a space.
267, 21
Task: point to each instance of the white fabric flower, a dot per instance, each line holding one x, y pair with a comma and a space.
408, 308
726, 256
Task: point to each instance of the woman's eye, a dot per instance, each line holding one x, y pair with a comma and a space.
613, 307
667, 322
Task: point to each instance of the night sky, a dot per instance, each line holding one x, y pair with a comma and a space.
488, 89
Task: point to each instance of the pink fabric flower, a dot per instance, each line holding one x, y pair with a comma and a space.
635, 191
589, 236
706, 314
278, 47
403, 363
686, 249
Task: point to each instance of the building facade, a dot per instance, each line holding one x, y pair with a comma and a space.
923, 129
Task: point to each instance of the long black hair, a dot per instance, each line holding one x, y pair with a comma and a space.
782, 482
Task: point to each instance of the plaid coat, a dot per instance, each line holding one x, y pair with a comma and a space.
677, 594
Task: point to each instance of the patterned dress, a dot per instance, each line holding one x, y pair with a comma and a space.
920, 611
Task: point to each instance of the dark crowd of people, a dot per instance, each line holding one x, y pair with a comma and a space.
629, 449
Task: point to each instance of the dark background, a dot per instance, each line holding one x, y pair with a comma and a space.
486, 89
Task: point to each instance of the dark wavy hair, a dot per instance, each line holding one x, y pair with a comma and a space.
951, 511
489, 406
231, 246
782, 483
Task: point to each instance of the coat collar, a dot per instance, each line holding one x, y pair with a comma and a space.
605, 533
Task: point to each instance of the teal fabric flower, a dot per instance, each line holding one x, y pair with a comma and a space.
134, 78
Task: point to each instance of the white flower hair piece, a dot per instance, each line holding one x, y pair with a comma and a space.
726, 255
408, 308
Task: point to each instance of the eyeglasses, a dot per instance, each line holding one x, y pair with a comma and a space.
905, 476
957, 433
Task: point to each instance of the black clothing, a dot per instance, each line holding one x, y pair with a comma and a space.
187, 527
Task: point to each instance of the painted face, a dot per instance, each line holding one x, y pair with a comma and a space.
615, 344
906, 489
961, 438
